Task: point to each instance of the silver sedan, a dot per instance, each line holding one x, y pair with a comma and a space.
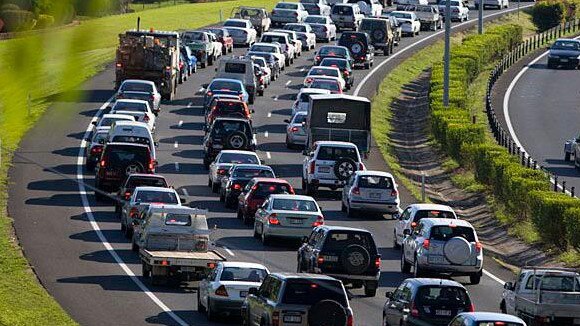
295, 133
370, 191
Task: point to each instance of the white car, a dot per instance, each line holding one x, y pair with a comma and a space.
324, 73
304, 33
499, 4
411, 2
132, 132
266, 71
370, 192
138, 109
141, 86
242, 31
227, 286
285, 44
322, 26
296, 42
411, 216
409, 21
371, 8
303, 99
107, 120
459, 11
274, 49
224, 161
288, 12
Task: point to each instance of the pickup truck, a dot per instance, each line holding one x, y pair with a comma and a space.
204, 45
571, 148
173, 242
428, 15
544, 296
459, 10
259, 17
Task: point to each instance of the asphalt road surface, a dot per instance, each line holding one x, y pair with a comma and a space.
75, 245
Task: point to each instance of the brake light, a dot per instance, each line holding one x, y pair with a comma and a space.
103, 163
96, 149
361, 166
146, 118
119, 96
296, 14
152, 96
294, 129
319, 221
312, 165
273, 219
127, 195
164, 263
317, 57
356, 190
291, 190
221, 171
414, 310
426, 244
119, 65
151, 164
350, 320
309, 80
180, 64
275, 318
210, 93
320, 260
168, 68
413, 224
236, 186
394, 193
378, 262
471, 308
221, 291
478, 247
134, 212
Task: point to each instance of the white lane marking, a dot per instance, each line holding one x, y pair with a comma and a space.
254, 138
97, 229
268, 155
493, 277
276, 98
408, 47
266, 134
184, 191
189, 104
269, 114
231, 253
176, 166
302, 70
288, 82
180, 123
175, 145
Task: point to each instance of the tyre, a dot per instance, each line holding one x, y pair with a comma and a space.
203, 64
222, 196
417, 271
145, 270
265, 238
256, 234
214, 187
134, 246
395, 243
405, 267
252, 98
239, 214
100, 196
311, 190
90, 165
502, 307
246, 219
567, 157
351, 213
355, 259
261, 92
210, 60
128, 232
210, 314
475, 278
371, 289
342, 207
328, 313
200, 307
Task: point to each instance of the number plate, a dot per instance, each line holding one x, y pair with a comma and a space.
243, 294
293, 319
443, 312
295, 221
375, 196
331, 258
187, 269
563, 60
324, 169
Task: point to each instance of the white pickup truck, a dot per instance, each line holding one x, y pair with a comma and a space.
544, 296
173, 243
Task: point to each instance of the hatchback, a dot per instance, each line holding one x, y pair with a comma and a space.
254, 194
370, 192
295, 133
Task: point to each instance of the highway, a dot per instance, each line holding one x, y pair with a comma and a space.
75, 245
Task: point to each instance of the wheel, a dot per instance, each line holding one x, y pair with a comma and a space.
256, 234
395, 243
265, 239
246, 219
134, 246
239, 214
214, 187
222, 196
200, 307
567, 157
210, 314
145, 271
405, 267
342, 207
350, 212
203, 64
417, 272
502, 307
251, 99
475, 278
90, 165
128, 232
261, 92
99, 196
298, 266
371, 289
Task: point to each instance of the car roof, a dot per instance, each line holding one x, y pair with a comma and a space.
346, 4
227, 79
237, 20
434, 281
431, 207
235, 27
236, 151
287, 275
314, 91
341, 97
288, 196
252, 166
317, 16
146, 175
271, 180
103, 129
334, 143
323, 67
265, 43
127, 123
374, 173
274, 33
131, 101
403, 11
342, 228
242, 264
445, 222
490, 316
159, 189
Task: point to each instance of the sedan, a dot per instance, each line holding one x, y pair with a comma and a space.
564, 52
238, 177
370, 192
287, 216
409, 21
333, 86
137, 108
304, 33
224, 161
344, 66
486, 318
225, 86
322, 26
223, 292
332, 73
242, 36
137, 85
295, 133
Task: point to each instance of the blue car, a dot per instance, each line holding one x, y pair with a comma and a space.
190, 60
225, 86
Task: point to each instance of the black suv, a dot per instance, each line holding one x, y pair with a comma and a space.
137, 180
118, 161
381, 33
238, 177
347, 254
227, 133
426, 301
360, 46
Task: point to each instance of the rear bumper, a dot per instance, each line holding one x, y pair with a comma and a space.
457, 270
287, 231
229, 307
340, 24
384, 207
326, 182
563, 61
296, 139
347, 277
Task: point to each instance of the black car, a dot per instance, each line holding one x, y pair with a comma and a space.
227, 133
344, 66
238, 177
360, 46
137, 180
118, 161
332, 51
426, 301
347, 254
564, 52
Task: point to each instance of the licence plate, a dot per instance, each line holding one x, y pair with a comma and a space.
331, 258
323, 169
243, 294
443, 312
218, 146
563, 60
110, 173
375, 196
295, 221
292, 319
187, 269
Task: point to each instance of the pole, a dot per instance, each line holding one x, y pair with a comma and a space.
518, 9
480, 17
422, 187
446, 57
139, 23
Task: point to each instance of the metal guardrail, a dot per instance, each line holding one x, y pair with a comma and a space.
502, 136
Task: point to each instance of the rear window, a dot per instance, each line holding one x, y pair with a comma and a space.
493, 323
323, 72
130, 106
433, 214
263, 48
151, 196
299, 118
310, 292
448, 296
100, 137
236, 32
371, 24
341, 64
225, 85
135, 182
123, 155
264, 189
235, 68
338, 240
295, 205
332, 51
218, 32
444, 233
178, 219
375, 182
227, 127
287, 5
342, 10
235, 23
296, 28
229, 107
325, 84
402, 15
253, 173
315, 20
554, 283
328, 153
132, 139
238, 158
239, 274
193, 36
274, 38
136, 87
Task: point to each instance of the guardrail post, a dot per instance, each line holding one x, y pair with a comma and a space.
535, 164
555, 183
519, 151
529, 161
564, 186
572, 190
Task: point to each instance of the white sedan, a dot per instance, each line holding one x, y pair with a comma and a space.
224, 161
324, 72
138, 109
305, 33
242, 31
227, 286
410, 24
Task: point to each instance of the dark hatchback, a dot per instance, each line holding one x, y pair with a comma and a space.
565, 53
360, 46
237, 179
344, 66
332, 51
426, 301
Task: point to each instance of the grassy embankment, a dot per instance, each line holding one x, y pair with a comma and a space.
42, 68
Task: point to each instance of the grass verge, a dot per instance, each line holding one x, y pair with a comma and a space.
37, 71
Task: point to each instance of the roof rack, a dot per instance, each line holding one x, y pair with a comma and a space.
560, 269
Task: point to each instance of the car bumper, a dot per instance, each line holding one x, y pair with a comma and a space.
456, 270
406, 28
326, 182
322, 35
287, 231
340, 24
563, 61
224, 306
378, 207
241, 41
296, 139
347, 277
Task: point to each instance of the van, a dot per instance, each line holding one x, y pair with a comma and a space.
242, 69
132, 132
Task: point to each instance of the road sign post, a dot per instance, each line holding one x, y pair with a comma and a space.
480, 17
446, 57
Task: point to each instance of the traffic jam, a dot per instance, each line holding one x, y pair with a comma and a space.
331, 129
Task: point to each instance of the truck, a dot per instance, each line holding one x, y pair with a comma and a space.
339, 117
428, 15
544, 296
173, 243
204, 45
149, 55
259, 17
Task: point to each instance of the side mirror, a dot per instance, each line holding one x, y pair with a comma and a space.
94, 123
287, 120
101, 141
508, 286
253, 111
406, 232
253, 291
389, 294
156, 144
182, 200
263, 162
88, 139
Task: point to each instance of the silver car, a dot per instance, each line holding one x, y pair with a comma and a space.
287, 216
322, 26
224, 161
370, 191
486, 318
141, 86
295, 133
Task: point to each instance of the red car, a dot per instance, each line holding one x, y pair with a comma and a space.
228, 108
256, 192
224, 37
327, 84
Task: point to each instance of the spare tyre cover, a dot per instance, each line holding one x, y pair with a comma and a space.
457, 250
327, 313
355, 259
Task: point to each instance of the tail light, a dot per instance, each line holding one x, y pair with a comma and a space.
261, 79
394, 193
378, 262
361, 166
350, 320
426, 244
294, 129
317, 58
168, 68
103, 163
96, 149
311, 169
210, 93
152, 97
413, 224
291, 190
221, 291
276, 318
319, 260
151, 164
319, 221
295, 14
356, 191
414, 310
309, 80
221, 171
471, 308
119, 96
118, 65
478, 247
146, 118
180, 65
273, 219
134, 212
236, 186
127, 195
346, 73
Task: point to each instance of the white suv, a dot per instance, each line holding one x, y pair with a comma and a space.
329, 164
411, 216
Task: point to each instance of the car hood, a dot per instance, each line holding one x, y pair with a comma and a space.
567, 53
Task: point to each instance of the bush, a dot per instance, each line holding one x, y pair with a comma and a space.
546, 15
549, 208
17, 20
572, 222
44, 21
9, 6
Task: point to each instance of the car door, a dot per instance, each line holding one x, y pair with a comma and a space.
255, 303
401, 224
205, 285
399, 304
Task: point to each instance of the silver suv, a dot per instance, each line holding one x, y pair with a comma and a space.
443, 245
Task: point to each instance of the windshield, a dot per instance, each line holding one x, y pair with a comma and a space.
177, 219
238, 158
130, 106
323, 72
135, 182
152, 196
230, 107
264, 189
100, 137
287, 5
564, 283
122, 155
296, 28
299, 118
282, 39
193, 36
333, 51
342, 10
566, 45
315, 20
225, 85
295, 205
250, 12
253, 173
327, 153
309, 292
337, 240
235, 67
217, 31
325, 84
402, 15
235, 23
136, 87
243, 274
445, 232
375, 182
372, 24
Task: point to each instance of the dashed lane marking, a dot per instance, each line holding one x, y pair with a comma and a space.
268, 155
175, 145
266, 134
184, 191
288, 82
176, 166
269, 114
231, 253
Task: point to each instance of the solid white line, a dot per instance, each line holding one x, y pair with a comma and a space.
101, 236
189, 104
408, 47
175, 145
268, 155
266, 134
276, 98
302, 70
269, 114
231, 253
493, 277
184, 191
288, 82
180, 123
176, 166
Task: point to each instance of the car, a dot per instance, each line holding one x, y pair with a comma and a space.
301, 104
106, 120
286, 216
141, 197
294, 40
322, 26
228, 108
442, 245
224, 161
380, 32
213, 101
432, 302
224, 37
242, 69
137, 180
227, 133
288, 12
348, 254
271, 60
428, 15
499, 4
94, 147
344, 66
410, 24
404, 3
360, 47
189, 58
370, 192
138, 109
331, 73
273, 49
238, 177
224, 290
329, 164
297, 299
254, 194
286, 46
258, 16
225, 86
261, 79
564, 53
332, 51
410, 217
295, 134
234, 26
396, 28
142, 86
334, 86
265, 71
370, 8
132, 132
204, 45
459, 10
486, 318
304, 33
316, 7
346, 15
118, 161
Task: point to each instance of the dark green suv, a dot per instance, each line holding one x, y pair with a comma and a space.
380, 32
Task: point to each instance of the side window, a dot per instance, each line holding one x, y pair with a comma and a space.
320, 239
265, 287
274, 289
399, 291
458, 321
406, 293
406, 214
519, 280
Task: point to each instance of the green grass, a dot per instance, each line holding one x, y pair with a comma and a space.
43, 68
466, 181
156, 5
